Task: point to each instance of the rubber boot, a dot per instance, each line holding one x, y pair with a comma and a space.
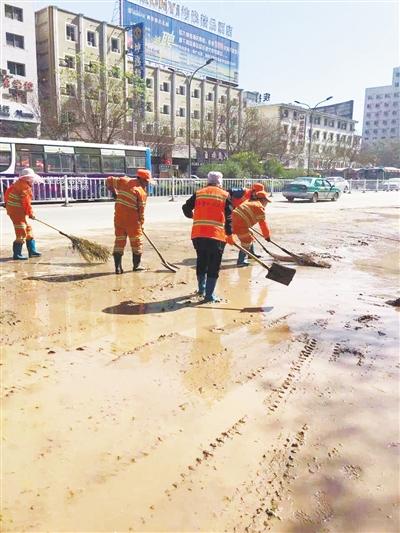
17, 250
242, 261
136, 262
202, 284
118, 263
31, 245
210, 286
251, 250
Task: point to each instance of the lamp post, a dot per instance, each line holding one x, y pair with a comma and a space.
189, 106
312, 109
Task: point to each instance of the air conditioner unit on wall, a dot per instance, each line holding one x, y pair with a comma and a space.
5, 72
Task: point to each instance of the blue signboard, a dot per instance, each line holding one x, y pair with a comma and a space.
180, 45
137, 50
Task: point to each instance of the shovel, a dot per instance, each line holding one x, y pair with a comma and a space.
278, 273
262, 246
283, 249
165, 263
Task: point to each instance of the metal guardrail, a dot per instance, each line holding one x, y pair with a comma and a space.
76, 189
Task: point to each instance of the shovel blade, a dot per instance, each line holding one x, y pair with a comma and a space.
281, 274
169, 267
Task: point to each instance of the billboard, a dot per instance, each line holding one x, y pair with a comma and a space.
180, 45
344, 109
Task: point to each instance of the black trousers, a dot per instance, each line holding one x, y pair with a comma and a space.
209, 256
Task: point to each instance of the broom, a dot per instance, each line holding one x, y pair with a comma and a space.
90, 251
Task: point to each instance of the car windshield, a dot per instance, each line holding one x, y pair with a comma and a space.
303, 180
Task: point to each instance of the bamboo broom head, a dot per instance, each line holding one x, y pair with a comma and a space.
90, 251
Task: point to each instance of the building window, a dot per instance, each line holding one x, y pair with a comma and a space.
165, 109
332, 123
285, 113
210, 97
114, 72
338, 137
164, 86
325, 121
393, 121
375, 131
376, 122
379, 97
388, 95
368, 123
392, 130
383, 130
17, 41
339, 124
149, 107
394, 112
395, 104
67, 62
386, 104
316, 135
285, 128
331, 136
396, 84
70, 89
181, 90
324, 135
165, 130
12, 12
149, 83
317, 120
396, 95
92, 67
344, 125
115, 46
235, 101
368, 115
377, 106
196, 114
181, 132
181, 112
397, 74
369, 106
369, 98
386, 113
384, 122
196, 93
294, 130
91, 38
70, 32
18, 69
148, 128
295, 115
210, 117
366, 132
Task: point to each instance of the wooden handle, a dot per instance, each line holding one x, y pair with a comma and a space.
153, 245
280, 247
52, 227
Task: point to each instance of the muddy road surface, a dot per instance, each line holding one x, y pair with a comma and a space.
130, 405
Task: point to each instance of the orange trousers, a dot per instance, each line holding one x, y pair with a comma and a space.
243, 234
124, 229
22, 229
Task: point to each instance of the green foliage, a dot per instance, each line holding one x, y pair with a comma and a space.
229, 169
273, 168
295, 173
249, 162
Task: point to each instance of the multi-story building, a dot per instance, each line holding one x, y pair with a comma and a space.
19, 114
68, 45
382, 112
332, 135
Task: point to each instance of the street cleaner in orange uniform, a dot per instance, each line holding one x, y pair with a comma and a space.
243, 194
131, 196
211, 211
246, 216
18, 198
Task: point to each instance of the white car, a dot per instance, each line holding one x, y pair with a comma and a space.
339, 182
392, 184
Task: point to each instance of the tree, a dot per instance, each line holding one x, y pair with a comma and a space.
249, 162
273, 168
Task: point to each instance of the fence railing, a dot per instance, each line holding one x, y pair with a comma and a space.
75, 189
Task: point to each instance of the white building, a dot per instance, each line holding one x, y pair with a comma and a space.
382, 112
329, 131
18, 91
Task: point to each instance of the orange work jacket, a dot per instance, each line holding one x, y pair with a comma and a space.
209, 213
131, 199
248, 214
18, 199
238, 201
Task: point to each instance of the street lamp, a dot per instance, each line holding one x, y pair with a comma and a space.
312, 109
189, 106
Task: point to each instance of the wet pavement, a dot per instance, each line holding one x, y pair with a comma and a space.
130, 405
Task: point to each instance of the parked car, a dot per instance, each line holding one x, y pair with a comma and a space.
339, 182
312, 189
392, 184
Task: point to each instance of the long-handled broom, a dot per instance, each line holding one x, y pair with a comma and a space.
90, 251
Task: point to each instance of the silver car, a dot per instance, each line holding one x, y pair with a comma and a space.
340, 183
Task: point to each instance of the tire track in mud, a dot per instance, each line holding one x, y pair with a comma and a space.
283, 392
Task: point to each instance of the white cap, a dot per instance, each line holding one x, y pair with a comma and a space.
29, 175
214, 178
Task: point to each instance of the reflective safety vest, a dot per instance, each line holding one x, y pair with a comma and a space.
247, 215
209, 213
131, 198
238, 201
18, 199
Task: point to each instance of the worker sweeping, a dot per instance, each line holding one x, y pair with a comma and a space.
211, 211
246, 216
18, 198
243, 194
130, 204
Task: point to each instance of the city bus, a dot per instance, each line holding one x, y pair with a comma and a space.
84, 165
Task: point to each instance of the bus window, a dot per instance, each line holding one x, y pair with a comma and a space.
87, 163
5, 161
113, 164
60, 163
22, 161
133, 163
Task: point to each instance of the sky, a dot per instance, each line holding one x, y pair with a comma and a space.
298, 50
